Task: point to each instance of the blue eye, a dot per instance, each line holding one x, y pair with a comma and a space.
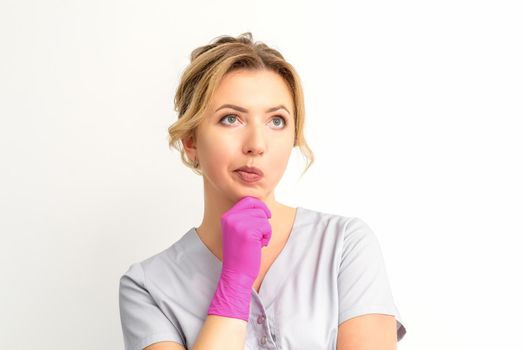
227, 117
283, 120
230, 117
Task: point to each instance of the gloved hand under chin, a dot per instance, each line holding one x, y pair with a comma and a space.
245, 230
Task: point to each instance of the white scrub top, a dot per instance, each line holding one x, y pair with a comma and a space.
331, 269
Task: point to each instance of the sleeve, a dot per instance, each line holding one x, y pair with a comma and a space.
363, 284
143, 323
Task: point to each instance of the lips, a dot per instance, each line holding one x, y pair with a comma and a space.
252, 170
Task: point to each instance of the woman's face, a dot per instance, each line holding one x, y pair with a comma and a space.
228, 138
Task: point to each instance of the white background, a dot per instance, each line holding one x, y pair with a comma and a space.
414, 111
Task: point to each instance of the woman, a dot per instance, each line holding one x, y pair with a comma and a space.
256, 273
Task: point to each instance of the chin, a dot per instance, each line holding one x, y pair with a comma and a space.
253, 192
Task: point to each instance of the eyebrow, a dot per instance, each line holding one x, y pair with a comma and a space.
240, 109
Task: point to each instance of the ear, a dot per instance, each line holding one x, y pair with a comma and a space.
189, 143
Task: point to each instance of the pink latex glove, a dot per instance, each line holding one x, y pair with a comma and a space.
245, 230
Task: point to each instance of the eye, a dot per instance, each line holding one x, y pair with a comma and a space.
227, 117
284, 121
232, 117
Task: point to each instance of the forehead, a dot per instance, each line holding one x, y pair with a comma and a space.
252, 89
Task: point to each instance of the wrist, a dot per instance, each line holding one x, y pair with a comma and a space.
232, 297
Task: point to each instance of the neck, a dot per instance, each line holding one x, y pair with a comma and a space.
215, 205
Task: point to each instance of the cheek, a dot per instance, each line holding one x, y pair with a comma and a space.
217, 147
281, 157
220, 156
279, 163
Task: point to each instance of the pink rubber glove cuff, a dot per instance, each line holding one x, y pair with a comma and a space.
232, 296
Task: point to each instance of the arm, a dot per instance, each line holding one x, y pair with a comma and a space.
368, 318
368, 332
245, 230
165, 345
217, 333
221, 332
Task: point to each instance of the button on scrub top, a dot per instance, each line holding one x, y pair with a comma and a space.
331, 269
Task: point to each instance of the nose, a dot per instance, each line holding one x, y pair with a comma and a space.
255, 139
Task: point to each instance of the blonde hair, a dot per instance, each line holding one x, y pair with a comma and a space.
209, 64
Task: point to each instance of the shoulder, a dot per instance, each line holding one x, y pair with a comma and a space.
156, 265
334, 223
348, 235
